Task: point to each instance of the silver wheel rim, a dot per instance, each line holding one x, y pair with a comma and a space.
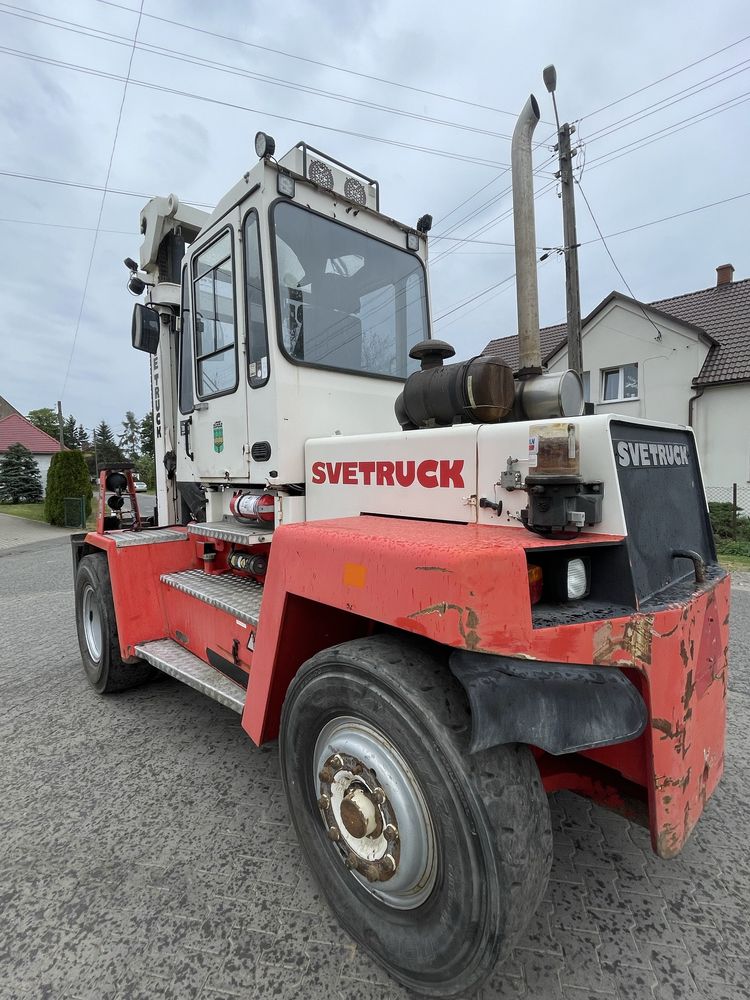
92, 622
397, 862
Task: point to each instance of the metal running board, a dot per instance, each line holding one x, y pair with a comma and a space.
231, 531
148, 536
169, 657
238, 595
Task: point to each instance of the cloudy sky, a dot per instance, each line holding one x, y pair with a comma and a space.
448, 78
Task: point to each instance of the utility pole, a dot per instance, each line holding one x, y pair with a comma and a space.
570, 238
60, 422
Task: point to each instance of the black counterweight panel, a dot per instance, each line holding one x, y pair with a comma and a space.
664, 504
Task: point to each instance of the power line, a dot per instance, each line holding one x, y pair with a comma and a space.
682, 69
88, 31
314, 62
667, 102
161, 88
473, 298
60, 225
101, 206
668, 218
614, 262
91, 187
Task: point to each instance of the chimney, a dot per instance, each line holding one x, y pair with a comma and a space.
724, 274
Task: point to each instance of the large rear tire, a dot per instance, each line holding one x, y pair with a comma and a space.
432, 859
96, 625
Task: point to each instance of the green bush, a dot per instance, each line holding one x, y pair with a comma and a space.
721, 522
20, 479
67, 477
730, 547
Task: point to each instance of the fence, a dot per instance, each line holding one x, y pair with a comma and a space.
74, 512
731, 516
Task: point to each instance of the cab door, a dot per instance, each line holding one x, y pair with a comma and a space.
218, 429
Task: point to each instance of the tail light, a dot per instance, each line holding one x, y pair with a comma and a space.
535, 583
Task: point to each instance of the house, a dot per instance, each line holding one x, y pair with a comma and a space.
683, 360
15, 429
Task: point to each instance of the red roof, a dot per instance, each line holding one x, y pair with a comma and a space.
16, 429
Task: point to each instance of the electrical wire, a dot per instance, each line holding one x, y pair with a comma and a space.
615, 265
101, 207
92, 187
314, 62
473, 298
88, 31
682, 69
161, 88
60, 225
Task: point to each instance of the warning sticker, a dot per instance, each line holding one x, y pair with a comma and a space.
533, 450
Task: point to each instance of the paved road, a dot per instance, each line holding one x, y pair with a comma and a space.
146, 851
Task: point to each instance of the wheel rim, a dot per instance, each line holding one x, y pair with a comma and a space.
92, 622
375, 813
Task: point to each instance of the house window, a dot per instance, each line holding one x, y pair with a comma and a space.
586, 378
620, 383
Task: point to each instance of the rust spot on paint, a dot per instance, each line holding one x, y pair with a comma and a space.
667, 782
635, 642
684, 653
672, 732
433, 569
468, 620
689, 689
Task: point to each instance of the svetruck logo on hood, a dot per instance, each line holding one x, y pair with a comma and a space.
642, 454
430, 473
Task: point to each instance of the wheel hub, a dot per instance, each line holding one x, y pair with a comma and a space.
374, 812
359, 817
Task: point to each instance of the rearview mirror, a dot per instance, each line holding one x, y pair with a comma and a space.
145, 330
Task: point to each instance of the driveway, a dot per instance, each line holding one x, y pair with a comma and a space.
146, 851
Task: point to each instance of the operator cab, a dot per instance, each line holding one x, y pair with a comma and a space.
298, 305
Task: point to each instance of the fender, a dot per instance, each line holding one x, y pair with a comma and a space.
558, 707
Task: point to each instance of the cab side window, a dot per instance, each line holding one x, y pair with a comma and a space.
257, 333
214, 319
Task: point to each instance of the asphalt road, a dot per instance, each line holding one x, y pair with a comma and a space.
146, 851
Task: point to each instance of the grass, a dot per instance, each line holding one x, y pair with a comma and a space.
35, 512
732, 563
32, 511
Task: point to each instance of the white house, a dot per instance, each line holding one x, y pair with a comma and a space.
15, 429
684, 360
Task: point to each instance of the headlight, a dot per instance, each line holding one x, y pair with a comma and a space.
578, 579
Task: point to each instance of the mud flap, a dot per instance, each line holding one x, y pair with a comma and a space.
559, 707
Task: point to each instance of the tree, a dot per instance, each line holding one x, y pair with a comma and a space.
70, 436
82, 438
20, 479
145, 467
147, 435
107, 452
67, 477
129, 438
46, 420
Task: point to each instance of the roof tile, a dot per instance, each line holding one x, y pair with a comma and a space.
722, 311
16, 429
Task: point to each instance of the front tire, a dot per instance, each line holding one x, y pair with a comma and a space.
432, 859
97, 630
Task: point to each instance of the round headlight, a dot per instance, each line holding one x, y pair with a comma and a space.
264, 145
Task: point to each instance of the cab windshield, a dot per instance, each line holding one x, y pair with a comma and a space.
346, 300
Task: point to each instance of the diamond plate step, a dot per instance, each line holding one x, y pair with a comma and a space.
231, 531
169, 657
149, 536
238, 595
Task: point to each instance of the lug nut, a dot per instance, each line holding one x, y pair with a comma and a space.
333, 833
389, 864
337, 761
351, 861
326, 775
323, 803
390, 832
379, 796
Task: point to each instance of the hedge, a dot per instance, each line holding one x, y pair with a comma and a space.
68, 476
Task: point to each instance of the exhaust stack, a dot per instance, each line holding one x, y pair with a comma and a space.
527, 292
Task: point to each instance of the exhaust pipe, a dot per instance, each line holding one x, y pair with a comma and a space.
527, 292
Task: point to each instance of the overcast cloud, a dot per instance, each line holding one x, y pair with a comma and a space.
59, 123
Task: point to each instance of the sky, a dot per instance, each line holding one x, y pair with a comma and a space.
447, 78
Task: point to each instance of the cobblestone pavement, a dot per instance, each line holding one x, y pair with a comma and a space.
146, 851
